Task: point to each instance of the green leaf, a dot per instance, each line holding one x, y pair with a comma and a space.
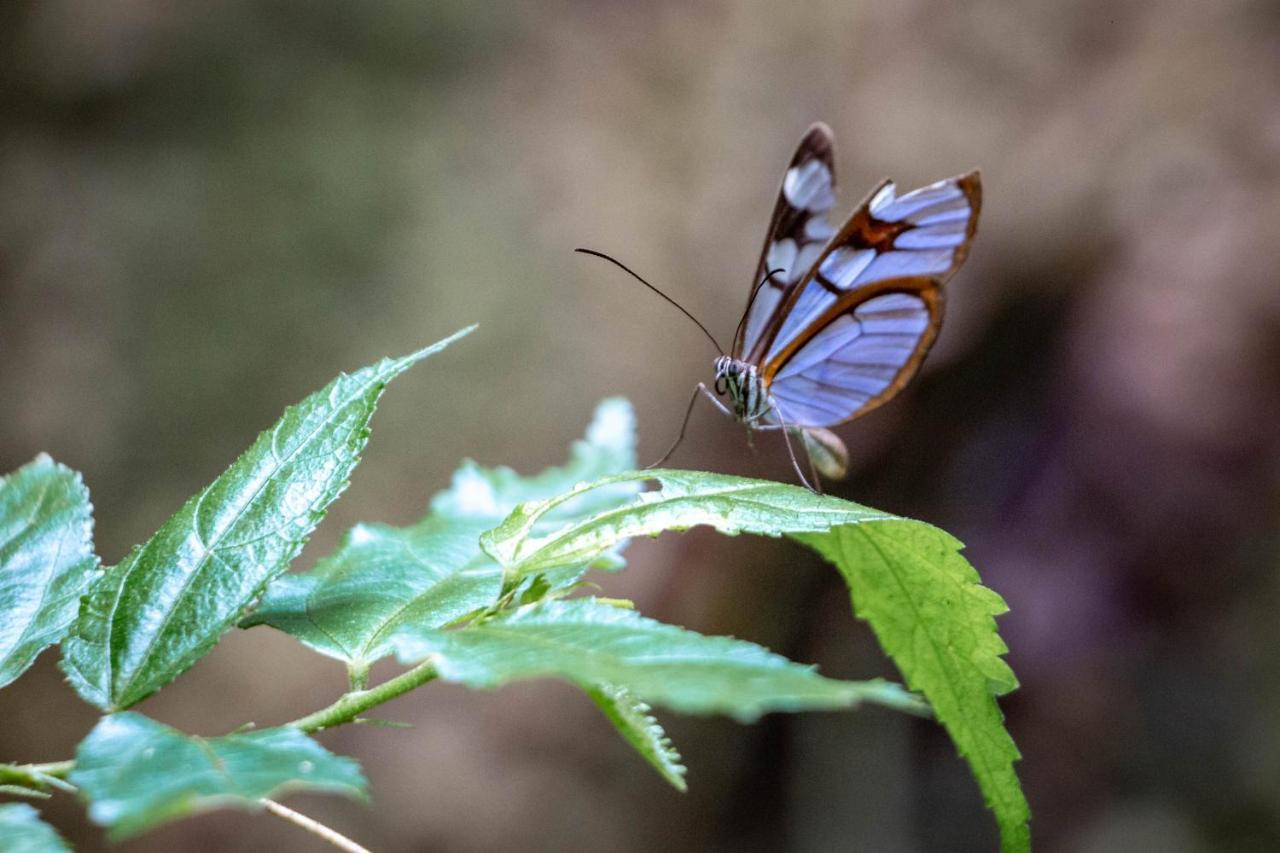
136, 773
591, 644
933, 617
631, 718
688, 498
434, 572
907, 579
22, 831
46, 559
156, 613
379, 579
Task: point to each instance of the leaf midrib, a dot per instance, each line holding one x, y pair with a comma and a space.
736, 491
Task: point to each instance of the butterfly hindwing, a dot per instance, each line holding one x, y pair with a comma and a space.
797, 232
860, 357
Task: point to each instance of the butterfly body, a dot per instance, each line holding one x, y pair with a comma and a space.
747, 390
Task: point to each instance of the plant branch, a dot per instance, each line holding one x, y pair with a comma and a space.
350, 705
38, 777
313, 826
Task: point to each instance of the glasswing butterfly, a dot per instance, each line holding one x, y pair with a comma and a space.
838, 320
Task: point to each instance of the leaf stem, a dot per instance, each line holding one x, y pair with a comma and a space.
358, 675
56, 769
313, 826
351, 705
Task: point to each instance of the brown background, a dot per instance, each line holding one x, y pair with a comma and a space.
208, 210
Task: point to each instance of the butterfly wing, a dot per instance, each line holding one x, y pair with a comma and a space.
860, 358
797, 232
856, 328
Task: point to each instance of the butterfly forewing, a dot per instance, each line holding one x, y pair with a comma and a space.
857, 325
797, 232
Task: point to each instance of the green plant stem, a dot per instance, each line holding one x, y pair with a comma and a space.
348, 707
351, 705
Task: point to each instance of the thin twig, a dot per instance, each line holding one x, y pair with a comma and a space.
313, 826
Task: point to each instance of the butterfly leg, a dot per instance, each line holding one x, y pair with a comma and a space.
701, 389
816, 486
813, 467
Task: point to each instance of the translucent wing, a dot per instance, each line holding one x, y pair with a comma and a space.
797, 232
860, 358
858, 325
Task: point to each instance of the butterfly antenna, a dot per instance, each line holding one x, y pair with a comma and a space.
636, 276
752, 301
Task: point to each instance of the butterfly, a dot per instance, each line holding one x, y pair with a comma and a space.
838, 321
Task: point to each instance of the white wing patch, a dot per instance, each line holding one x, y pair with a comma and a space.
781, 256
818, 228
883, 196
792, 263
923, 206
808, 187
852, 361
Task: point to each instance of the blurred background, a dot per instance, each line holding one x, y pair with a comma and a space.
208, 210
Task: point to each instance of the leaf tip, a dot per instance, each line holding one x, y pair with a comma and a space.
399, 365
